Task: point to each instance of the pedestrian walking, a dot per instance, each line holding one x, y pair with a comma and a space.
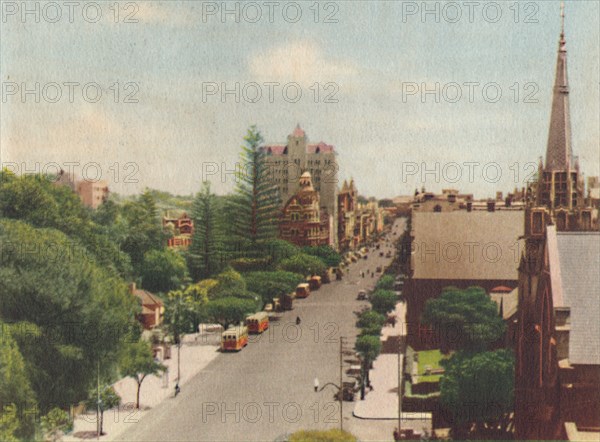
298, 320
177, 389
316, 384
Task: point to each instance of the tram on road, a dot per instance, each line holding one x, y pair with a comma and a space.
234, 338
258, 322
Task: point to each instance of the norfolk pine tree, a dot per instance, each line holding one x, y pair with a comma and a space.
206, 251
254, 208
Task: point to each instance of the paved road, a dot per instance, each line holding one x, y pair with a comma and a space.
266, 390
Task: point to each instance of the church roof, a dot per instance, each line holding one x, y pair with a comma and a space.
466, 245
559, 152
579, 279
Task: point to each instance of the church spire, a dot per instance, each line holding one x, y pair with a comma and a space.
559, 153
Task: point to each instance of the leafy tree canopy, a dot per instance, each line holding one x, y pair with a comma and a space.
303, 264
368, 347
163, 270
137, 362
386, 282
277, 249
270, 285
35, 200
466, 319
330, 257
81, 313
15, 389
383, 301
371, 322
229, 310
56, 423
478, 389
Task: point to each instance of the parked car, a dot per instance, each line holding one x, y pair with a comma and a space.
362, 296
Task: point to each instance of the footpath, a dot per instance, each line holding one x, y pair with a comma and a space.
197, 351
382, 402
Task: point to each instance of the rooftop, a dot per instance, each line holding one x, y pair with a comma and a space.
576, 285
467, 245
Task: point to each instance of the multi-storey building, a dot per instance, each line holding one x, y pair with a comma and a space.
301, 221
287, 162
347, 205
557, 373
92, 193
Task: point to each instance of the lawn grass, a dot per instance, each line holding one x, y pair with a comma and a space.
431, 358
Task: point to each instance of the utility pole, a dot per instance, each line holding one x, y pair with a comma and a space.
98, 400
341, 383
399, 387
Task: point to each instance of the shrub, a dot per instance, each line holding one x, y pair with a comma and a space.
333, 435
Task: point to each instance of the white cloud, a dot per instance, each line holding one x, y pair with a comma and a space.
163, 13
301, 61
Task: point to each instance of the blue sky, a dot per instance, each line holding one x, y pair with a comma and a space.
372, 57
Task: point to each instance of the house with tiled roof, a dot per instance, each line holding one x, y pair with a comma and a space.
153, 309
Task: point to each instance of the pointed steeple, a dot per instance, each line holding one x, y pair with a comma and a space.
559, 152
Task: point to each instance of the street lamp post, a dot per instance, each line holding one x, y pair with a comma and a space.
341, 385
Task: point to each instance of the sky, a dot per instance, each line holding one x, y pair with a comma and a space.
160, 94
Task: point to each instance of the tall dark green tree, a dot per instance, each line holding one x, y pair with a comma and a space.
145, 232
254, 208
206, 252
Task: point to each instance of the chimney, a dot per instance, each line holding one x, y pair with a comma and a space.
491, 206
